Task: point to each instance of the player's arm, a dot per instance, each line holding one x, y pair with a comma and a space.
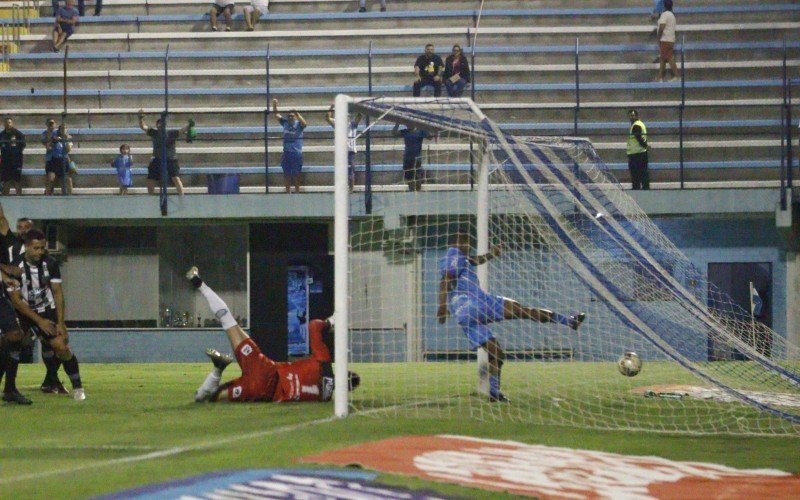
11, 271
396, 130
4, 227
58, 294
483, 259
23, 308
445, 285
300, 118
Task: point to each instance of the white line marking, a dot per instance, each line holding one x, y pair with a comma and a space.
166, 453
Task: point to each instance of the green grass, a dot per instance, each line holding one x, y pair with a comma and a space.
133, 410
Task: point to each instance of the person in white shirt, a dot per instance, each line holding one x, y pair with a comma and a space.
224, 7
362, 6
253, 11
666, 42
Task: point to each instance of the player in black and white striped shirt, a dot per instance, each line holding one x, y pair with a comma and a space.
39, 299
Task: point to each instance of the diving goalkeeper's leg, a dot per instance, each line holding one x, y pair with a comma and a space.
210, 387
514, 310
219, 309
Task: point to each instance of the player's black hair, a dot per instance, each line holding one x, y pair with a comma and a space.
123, 146
668, 5
353, 380
34, 234
24, 219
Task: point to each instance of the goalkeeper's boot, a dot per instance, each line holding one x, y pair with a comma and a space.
576, 320
221, 361
497, 397
193, 275
16, 398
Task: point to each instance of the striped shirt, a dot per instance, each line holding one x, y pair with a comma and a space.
35, 283
13, 249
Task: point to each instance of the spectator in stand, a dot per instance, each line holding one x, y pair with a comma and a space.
637, 150
363, 6
66, 19
224, 7
123, 164
59, 165
253, 12
666, 42
412, 155
352, 135
292, 160
12, 143
154, 168
98, 6
456, 72
428, 70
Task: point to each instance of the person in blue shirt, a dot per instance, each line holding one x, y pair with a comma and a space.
66, 19
412, 155
292, 160
58, 144
461, 295
123, 164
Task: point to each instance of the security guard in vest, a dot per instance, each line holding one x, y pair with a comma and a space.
637, 152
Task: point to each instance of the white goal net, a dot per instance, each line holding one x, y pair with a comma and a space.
560, 237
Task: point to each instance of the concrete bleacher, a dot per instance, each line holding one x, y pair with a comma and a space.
524, 79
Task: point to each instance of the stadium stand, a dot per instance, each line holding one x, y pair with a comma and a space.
525, 78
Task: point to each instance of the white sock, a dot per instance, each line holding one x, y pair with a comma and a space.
209, 385
218, 307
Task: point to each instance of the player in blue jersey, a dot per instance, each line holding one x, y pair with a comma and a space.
461, 295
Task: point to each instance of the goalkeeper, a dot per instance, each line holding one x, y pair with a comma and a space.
461, 295
309, 379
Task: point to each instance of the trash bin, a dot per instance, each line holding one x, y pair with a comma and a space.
223, 183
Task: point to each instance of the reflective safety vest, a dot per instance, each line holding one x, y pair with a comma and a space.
633, 145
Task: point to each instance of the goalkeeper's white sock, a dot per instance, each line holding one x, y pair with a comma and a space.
209, 385
218, 307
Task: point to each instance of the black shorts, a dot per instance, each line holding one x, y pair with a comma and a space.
412, 169
10, 171
56, 166
154, 169
30, 327
8, 317
222, 9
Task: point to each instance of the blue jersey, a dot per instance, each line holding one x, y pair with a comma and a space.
413, 140
473, 308
292, 136
457, 266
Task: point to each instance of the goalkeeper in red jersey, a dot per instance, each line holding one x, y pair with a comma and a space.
308, 379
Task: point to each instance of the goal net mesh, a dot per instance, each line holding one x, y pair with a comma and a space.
571, 240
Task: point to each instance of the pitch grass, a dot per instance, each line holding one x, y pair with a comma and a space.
59, 448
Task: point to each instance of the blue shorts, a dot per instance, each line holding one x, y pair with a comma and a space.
292, 163
475, 313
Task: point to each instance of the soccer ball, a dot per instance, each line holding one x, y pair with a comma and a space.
629, 364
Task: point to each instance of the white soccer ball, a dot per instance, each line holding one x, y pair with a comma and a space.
629, 364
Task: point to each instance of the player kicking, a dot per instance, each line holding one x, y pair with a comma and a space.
309, 379
461, 295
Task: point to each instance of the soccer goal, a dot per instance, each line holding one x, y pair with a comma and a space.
560, 237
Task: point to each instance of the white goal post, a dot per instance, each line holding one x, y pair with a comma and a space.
482, 239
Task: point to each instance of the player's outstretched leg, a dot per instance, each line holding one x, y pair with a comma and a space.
218, 308
210, 386
514, 310
71, 366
